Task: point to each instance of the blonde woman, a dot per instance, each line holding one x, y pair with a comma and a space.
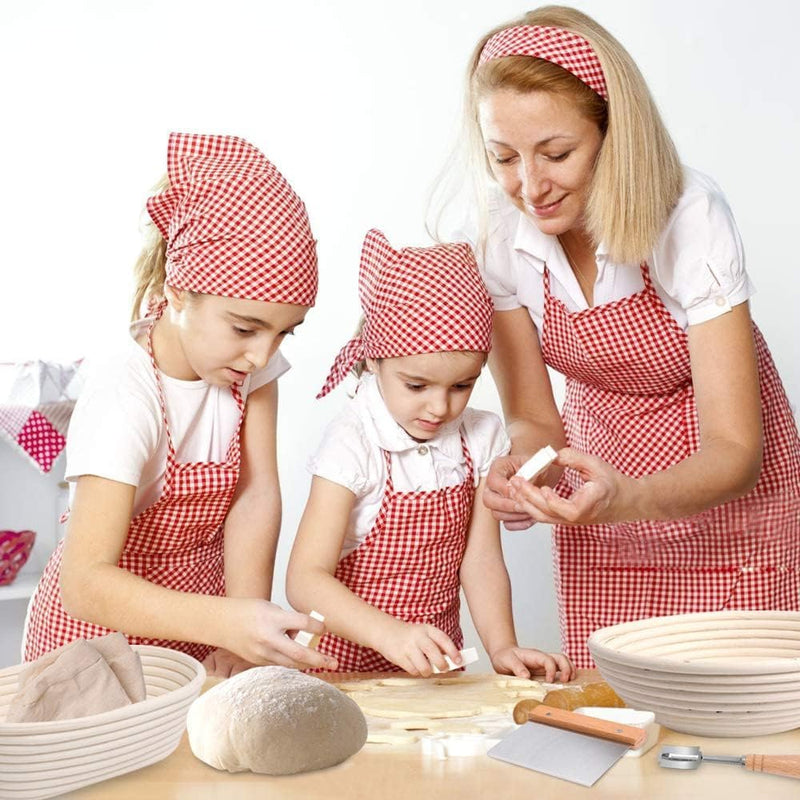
677, 486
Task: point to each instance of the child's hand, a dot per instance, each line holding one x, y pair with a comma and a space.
524, 661
416, 647
223, 663
257, 632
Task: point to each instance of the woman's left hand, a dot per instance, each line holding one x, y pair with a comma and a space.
606, 495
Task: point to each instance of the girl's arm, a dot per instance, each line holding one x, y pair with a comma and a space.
311, 585
529, 409
488, 591
254, 518
726, 466
95, 589
253, 522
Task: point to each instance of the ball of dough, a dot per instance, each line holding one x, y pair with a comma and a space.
275, 721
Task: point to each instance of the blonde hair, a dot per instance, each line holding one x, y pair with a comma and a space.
150, 270
637, 178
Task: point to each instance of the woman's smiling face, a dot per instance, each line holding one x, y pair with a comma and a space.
542, 152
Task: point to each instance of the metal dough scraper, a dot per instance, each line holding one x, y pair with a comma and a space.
567, 745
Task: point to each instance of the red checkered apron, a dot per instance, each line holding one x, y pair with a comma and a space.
408, 564
630, 401
176, 543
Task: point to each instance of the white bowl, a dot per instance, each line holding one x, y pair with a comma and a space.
723, 673
44, 759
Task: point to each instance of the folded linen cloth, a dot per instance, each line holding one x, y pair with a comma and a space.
81, 678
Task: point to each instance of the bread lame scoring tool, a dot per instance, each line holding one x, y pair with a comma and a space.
567, 745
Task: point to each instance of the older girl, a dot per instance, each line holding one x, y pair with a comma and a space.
176, 507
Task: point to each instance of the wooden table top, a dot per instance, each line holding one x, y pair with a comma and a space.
392, 773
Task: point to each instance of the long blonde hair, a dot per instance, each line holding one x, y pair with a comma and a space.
637, 178
150, 269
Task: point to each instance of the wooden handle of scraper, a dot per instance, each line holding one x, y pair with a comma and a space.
788, 766
580, 723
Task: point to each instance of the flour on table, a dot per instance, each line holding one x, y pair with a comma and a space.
443, 698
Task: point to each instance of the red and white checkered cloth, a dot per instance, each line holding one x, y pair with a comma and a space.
36, 402
565, 48
416, 300
234, 226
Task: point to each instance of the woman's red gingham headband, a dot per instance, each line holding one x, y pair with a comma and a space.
570, 51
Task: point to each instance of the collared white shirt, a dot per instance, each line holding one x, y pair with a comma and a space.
697, 266
351, 454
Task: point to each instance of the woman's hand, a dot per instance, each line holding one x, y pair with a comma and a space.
496, 495
416, 648
606, 495
525, 661
257, 631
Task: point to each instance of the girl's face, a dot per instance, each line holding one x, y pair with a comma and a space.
542, 152
425, 391
223, 339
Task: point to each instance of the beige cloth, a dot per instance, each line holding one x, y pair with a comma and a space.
79, 679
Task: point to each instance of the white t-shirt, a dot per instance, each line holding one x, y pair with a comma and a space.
116, 430
351, 455
697, 266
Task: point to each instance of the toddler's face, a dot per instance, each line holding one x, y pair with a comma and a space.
223, 339
423, 392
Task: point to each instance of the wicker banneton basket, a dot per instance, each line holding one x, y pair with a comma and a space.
15, 547
43, 759
724, 673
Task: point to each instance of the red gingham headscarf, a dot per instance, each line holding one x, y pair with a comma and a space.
570, 51
233, 225
416, 300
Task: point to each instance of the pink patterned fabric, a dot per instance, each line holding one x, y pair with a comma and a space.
416, 300
233, 225
570, 51
177, 543
37, 401
408, 565
630, 401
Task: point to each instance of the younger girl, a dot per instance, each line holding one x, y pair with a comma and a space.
176, 508
394, 521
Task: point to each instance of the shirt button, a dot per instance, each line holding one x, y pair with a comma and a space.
720, 301
422, 450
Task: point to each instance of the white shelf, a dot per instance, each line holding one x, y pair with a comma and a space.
20, 589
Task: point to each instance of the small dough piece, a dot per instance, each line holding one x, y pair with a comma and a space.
355, 686
421, 724
274, 721
404, 681
385, 736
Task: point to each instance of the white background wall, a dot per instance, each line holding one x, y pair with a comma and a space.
357, 103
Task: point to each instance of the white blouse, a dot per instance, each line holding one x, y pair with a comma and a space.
697, 266
351, 454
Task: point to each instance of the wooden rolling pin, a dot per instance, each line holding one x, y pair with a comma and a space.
570, 698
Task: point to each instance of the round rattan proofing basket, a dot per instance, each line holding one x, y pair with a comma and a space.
724, 673
44, 759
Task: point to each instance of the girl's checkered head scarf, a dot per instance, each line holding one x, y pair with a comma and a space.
233, 225
416, 300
